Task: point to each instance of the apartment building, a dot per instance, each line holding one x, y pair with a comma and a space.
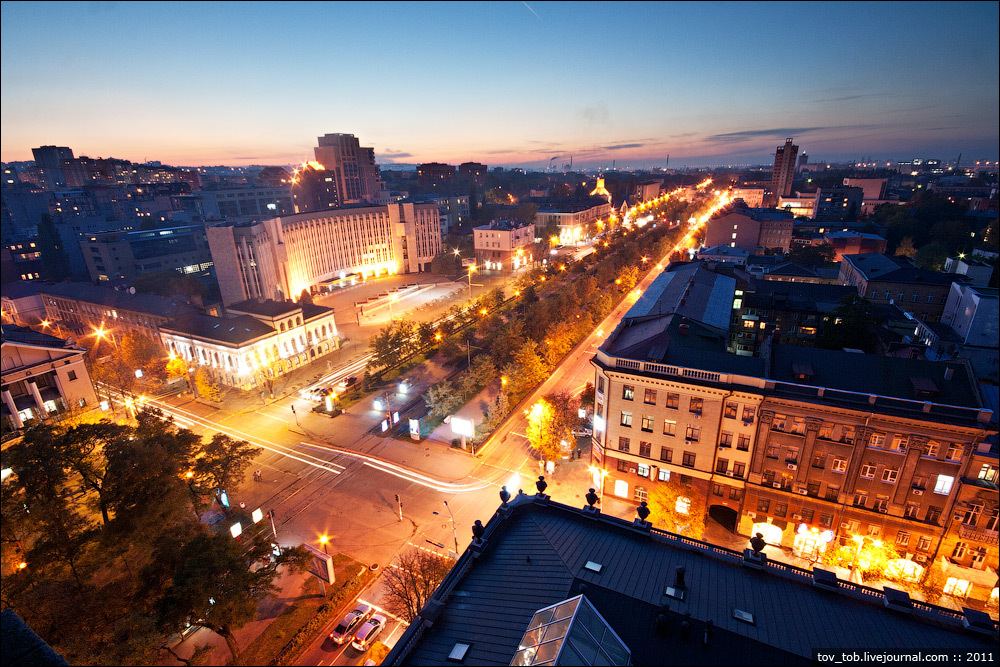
504, 245
887, 279
796, 444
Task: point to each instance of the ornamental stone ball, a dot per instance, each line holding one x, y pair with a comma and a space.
757, 543
541, 484
591, 497
504, 495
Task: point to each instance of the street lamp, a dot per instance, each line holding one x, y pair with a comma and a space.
323, 539
454, 533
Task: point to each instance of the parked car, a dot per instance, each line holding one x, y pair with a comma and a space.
364, 637
350, 623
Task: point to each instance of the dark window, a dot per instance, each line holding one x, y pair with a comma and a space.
71, 375
649, 397
693, 433
807, 514
743, 442
730, 412
781, 509
644, 448
734, 493
696, 406
623, 444
722, 466
717, 489
763, 505
689, 458
666, 454
673, 400
726, 439
622, 466
739, 469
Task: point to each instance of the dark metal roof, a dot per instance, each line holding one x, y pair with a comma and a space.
488, 599
267, 308
232, 331
11, 333
149, 304
21, 646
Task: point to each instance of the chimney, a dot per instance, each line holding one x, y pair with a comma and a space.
684, 329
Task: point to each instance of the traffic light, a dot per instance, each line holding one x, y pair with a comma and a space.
397, 497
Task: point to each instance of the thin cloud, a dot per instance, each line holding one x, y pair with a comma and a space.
391, 154
621, 146
746, 135
530, 9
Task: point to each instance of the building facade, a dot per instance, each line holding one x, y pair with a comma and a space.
82, 309
435, 175
740, 226
259, 341
573, 217
784, 169
281, 257
795, 444
884, 279
504, 245
42, 375
351, 165
124, 255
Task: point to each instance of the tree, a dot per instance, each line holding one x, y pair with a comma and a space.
410, 584
138, 352
526, 212
305, 298
442, 400
206, 385
498, 410
677, 508
587, 396
219, 582
526, 370
812, 255
391, 344
931, 256
550, 425
857, 321
55, 262
871, 560
906, 248
223, 461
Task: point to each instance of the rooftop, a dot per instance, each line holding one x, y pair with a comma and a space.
234, 331
536, 553
691, 290
11, 333
504, 225
266, 308
886, 268
149, 304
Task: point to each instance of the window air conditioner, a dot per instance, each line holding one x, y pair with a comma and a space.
776, 485
920, 558
796, 517
801, 492
751, 515
918, 492
793, 466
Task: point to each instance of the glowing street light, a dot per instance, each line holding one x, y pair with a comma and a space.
323, 539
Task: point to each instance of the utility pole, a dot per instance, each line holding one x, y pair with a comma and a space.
296, 417
399, 504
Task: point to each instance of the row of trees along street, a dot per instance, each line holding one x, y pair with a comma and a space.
104, 552
517, 342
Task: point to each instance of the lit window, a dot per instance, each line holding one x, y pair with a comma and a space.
683, 505
943, 485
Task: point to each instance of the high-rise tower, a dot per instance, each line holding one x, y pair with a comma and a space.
784, 169
356, 175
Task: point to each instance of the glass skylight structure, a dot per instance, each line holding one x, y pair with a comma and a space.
570, 633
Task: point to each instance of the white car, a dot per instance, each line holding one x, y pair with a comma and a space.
368, 632
350, 623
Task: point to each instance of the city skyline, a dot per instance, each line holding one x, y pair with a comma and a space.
512, 84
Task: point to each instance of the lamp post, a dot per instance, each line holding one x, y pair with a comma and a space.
472, 267
324, 539
454, 533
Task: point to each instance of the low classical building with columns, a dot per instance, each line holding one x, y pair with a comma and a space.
258, 341
42, 375
809, 447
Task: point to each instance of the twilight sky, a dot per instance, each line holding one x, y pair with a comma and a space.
505, 83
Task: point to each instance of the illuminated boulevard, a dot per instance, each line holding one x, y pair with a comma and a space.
336, 477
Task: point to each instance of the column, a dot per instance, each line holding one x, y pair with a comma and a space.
9, 402
33, 388
914, 448
760, 446
812, 428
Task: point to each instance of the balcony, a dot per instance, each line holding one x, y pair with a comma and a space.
989, 537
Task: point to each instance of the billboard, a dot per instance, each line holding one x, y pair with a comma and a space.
321, 564
460, 426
